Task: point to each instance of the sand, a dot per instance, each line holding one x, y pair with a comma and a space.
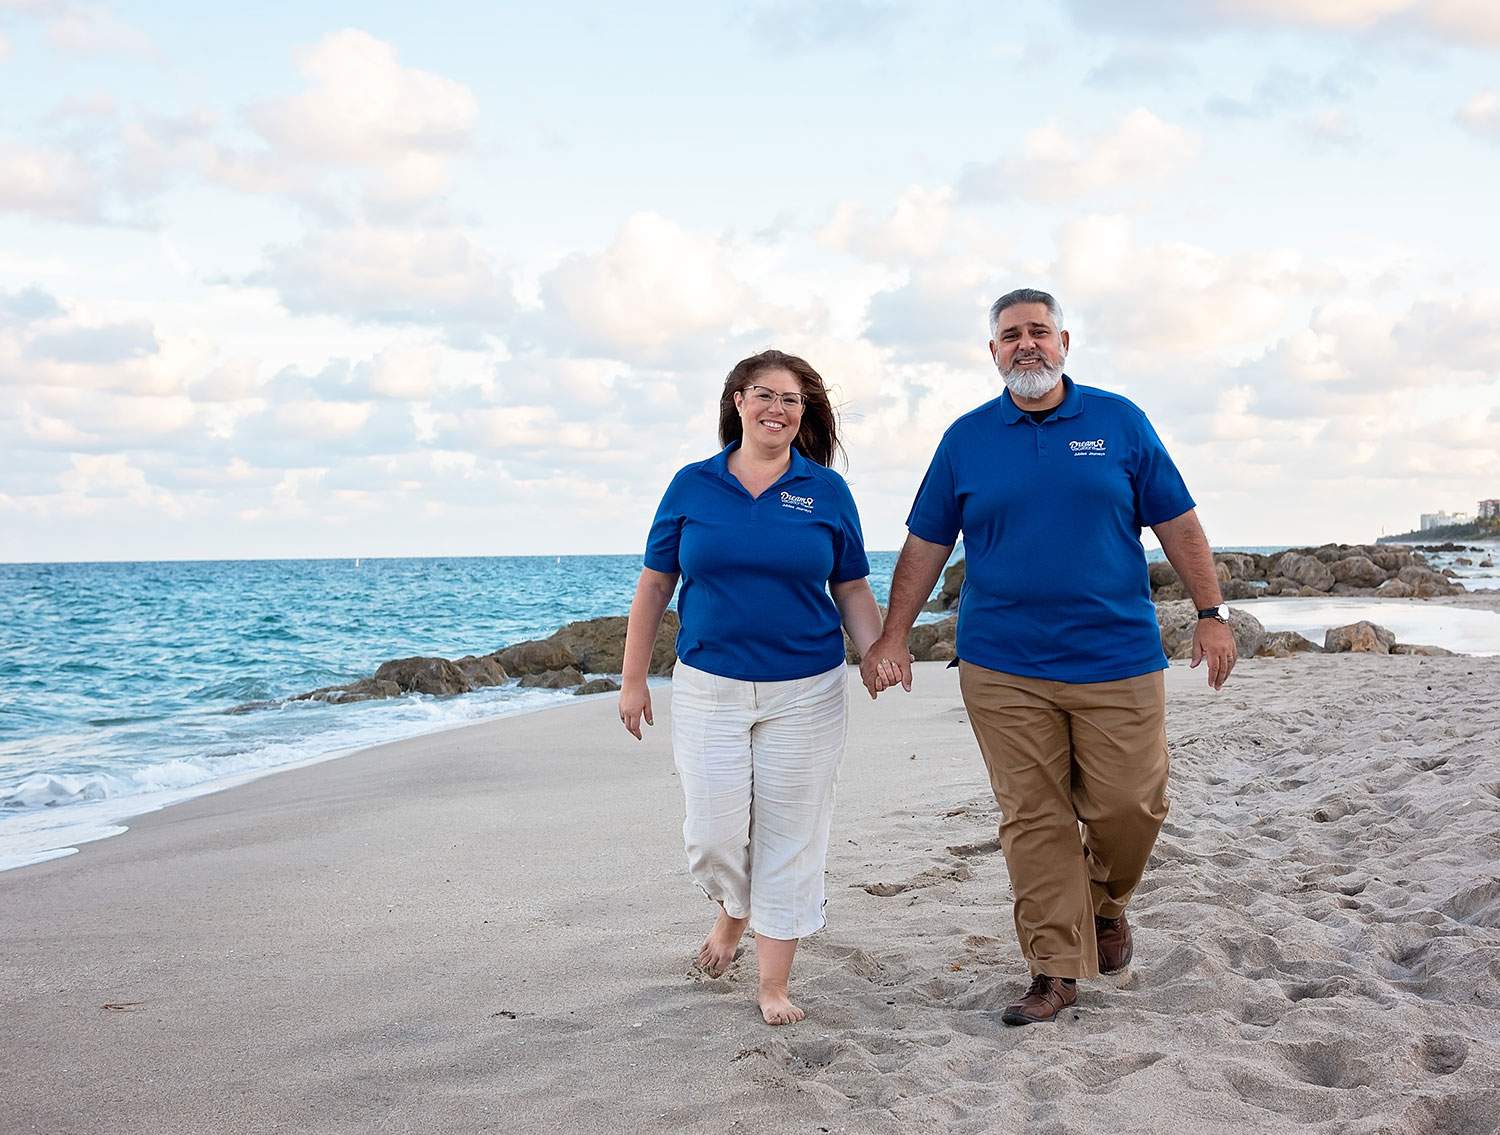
490, 929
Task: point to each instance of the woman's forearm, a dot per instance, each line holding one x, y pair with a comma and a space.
653, 591
857, 608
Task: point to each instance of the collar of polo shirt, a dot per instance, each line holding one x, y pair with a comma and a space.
1070, 407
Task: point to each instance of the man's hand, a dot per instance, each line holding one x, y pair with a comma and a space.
885, 664
1215, 641
635, 704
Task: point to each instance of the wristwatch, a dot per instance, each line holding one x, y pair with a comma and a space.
1221, 612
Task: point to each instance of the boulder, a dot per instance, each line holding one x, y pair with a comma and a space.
1177, 621
1394, 589
1424, 582
538, 656
598, 645
481, 670
1163, 574
1241, 589
1284, 644
1363, 637
436, 676
953, 583
366, 689
1358, 571
1305, 571
1222, 571
1390, 559
1487, 562
1463, 561
933, 642
1419, 648
1279, 586
553, 679
1240, 565
598, 686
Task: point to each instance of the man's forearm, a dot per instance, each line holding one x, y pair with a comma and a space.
1187, 550
917, 571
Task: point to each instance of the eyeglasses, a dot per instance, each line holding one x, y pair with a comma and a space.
764, 396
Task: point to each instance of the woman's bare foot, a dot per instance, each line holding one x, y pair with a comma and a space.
777, 1008
717, 952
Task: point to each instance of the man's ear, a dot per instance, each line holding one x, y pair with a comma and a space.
1065, 340
992, 350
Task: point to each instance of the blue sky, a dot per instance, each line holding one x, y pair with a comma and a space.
357, 280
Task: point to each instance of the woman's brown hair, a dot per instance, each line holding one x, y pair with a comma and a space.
818, 435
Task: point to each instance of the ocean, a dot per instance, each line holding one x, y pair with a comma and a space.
115, 678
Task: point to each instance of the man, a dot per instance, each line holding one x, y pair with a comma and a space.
1060, 655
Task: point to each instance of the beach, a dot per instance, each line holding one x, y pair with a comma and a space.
490, 928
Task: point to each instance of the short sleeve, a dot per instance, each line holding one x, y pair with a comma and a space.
1160, 492
666, 531
849, 558
934, 515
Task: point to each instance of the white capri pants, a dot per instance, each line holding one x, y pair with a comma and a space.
758, 763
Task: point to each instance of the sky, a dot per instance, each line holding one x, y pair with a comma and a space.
465, 279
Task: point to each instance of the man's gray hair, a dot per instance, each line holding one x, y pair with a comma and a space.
1023, 295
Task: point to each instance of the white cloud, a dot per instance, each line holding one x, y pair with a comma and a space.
1481, 116
916, 226
93, 29
1056, 165
1466, 22
392, 275
49, 183
365, 109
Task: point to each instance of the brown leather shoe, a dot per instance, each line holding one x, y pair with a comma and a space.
1116, 946
1047, 997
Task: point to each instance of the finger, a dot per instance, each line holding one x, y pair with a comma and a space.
905, 668
646, 713
633, 725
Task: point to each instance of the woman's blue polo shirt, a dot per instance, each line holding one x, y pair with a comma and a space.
1051, 512
755, 571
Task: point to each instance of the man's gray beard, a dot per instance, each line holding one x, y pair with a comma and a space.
1032, 384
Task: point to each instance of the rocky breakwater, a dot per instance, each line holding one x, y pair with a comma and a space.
1383, 571
557, 662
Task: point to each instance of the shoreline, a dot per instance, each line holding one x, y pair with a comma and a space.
492, 926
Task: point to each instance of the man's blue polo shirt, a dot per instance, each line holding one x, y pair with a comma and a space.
754, 602
1051, 513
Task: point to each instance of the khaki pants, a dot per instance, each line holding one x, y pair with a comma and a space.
1061, 755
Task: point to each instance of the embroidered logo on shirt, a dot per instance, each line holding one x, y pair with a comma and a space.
1094, 448
796, 503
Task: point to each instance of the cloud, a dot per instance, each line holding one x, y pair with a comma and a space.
916, 226
657, 289
93, 29
1054, 165
1481, 116
391, 275
1134, 65
806, 25
110, 343
1465, 22
27, 305
365, 109
49, 184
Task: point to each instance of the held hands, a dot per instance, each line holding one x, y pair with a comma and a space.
884, 665
635, 704
1215, 641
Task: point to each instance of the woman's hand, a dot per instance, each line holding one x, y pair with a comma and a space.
635, 704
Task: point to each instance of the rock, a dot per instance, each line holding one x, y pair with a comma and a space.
1163, 574
1418, 648
1424, 582
1240, 589
1390, 559
481, 670
1394, 589
435, 676
1305, 570
366, 689
1284, 644
1170, 592
1240, 565
553, 679
1358, 571
1363, 637
933, 642
1279, 586
1463, 561
953, 583
1486, 562
535, 657
598, 686
1350, 589
1222, 571
1177, 621
598, 645
1310, 592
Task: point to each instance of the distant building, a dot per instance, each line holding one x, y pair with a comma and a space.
1489, 510
1444, 519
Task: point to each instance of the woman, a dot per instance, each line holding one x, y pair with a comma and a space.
760, 534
